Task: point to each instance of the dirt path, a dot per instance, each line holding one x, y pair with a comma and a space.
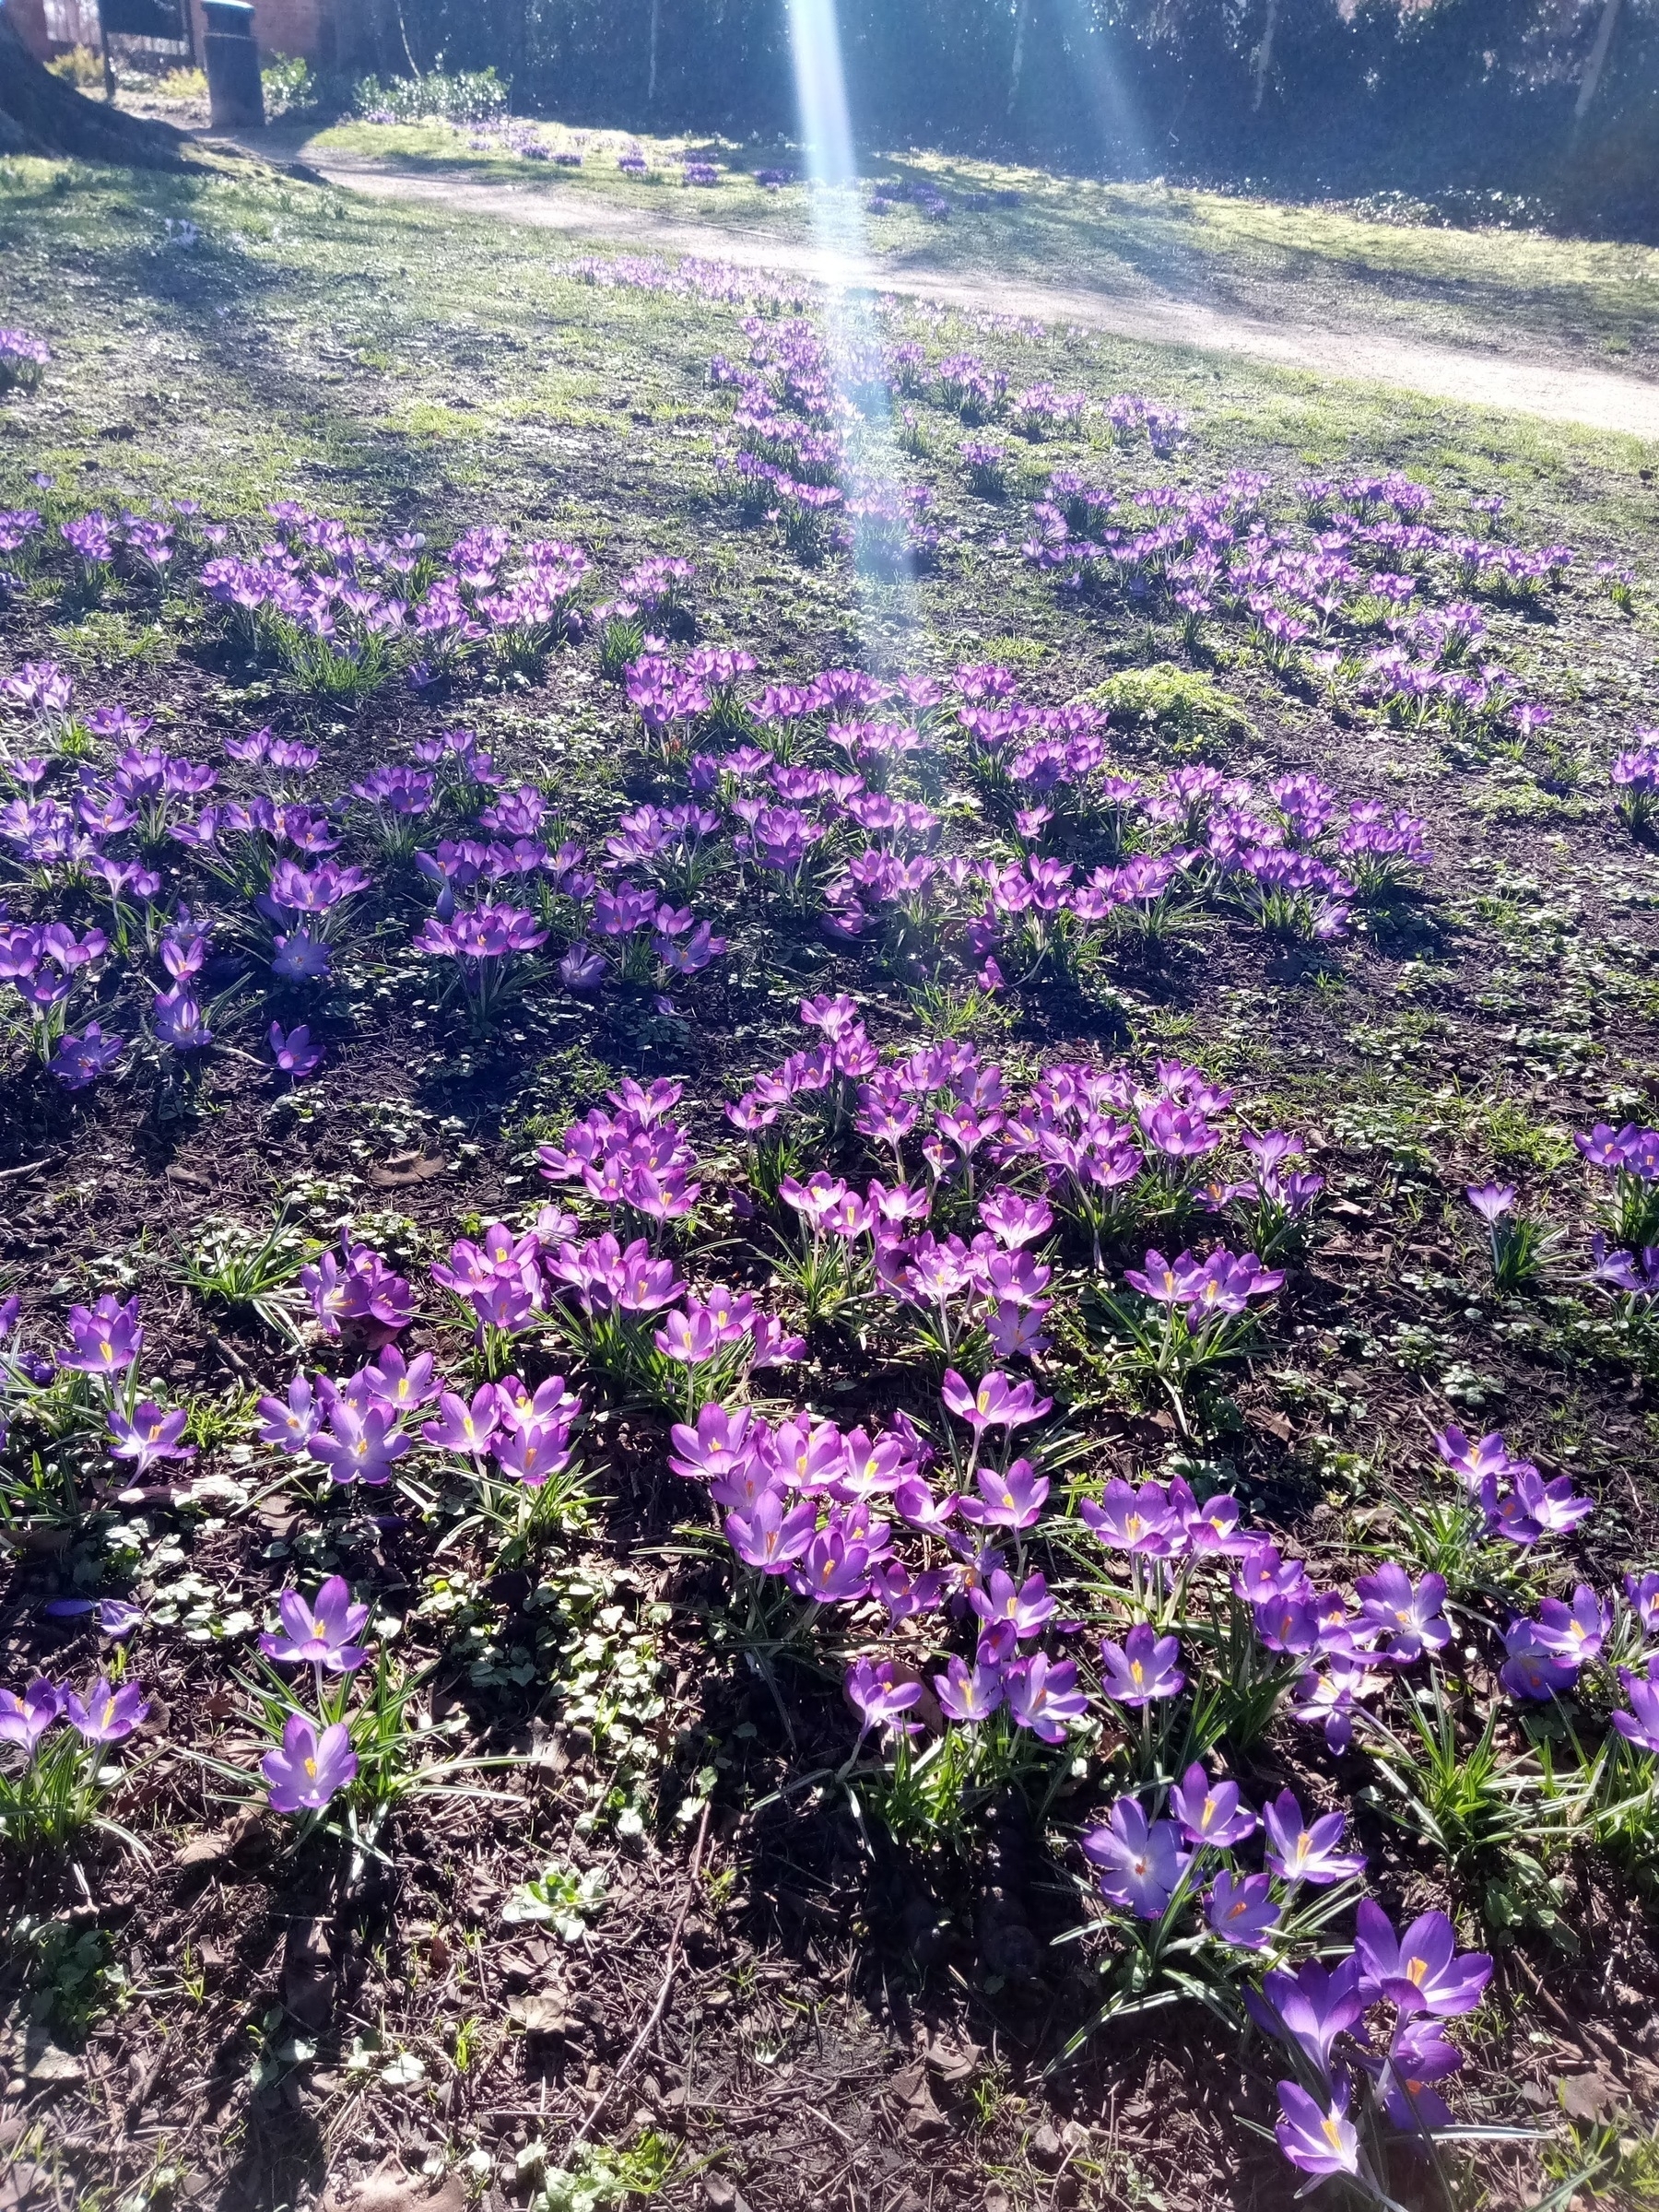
1595, 398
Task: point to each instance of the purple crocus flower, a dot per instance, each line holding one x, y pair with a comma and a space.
1013, 1499
969, 1694
1531, 1669
1317, 2140
1409, 1617
1211, 1812
1640, 1725
1142, 1668
1421, 1971
105, 1714
290, 1424
104, 1338
117, 1619
469, 1429
150, 1434
880, 1697
1043, 1695
1574, 1633
1305, 1851
293, 1051
1141, 1863
1643, 1594
1491, 1201
79, 1060
1311, 2008
24, 1720
320, 1635
1419, 2056
310, 1767
1138, 1522
1240, 1909
582, 969
359, 1446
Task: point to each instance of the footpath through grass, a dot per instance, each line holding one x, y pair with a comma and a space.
1492, 288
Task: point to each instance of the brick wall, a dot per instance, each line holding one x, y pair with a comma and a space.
305, 28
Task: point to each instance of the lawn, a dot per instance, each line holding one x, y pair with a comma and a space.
1085, 919
1491, 287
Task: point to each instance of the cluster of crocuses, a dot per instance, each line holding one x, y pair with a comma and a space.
23, 359
1214, 554
359, 1428
1515, 1499
314, 1761
1635, 779
1291, 857
105, 1340
107, 1713
792, 460
74, 817
1367, 2039
1100, 1144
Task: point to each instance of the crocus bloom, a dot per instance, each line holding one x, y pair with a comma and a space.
1410, 1618
1211, 1812
294, 1052
1140, 1861
1305, 1851
1010, 1500
1315, 2139
462, 1427
1418, 2056
994, 1403
966, 1694
1311, 2008
291, 1424
149, 1435
320, 1635
878, 1696
1041, 1695
1491, 1201
1640, 1725
1531, 1669
104, 1337
1142, 1668
358, 1447
1138, 1522
310, 1767
1240, 1909
1421, 1971
106, 1714
1573, 1633
24, 1720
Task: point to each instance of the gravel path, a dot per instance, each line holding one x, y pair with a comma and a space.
1597, 398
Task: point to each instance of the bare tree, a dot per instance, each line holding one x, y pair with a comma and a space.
656, 13
1021, 10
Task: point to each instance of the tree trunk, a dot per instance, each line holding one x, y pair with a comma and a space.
1263, 55
1597, 61
1018, 61
42, 115
657, 10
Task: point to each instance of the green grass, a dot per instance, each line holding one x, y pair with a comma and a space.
387, 360
1480, 286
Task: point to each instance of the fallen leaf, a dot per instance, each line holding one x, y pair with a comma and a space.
539, 2015
405, 1168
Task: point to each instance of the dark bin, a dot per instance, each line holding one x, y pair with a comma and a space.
235, 94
